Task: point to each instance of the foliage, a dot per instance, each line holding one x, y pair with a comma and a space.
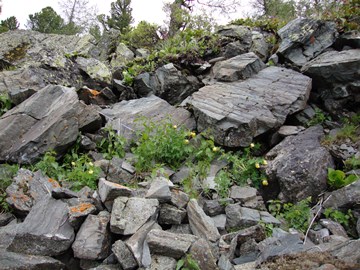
352, 163
49, 166
268, 227
272, 24
319, 118
5, 103
343, 218
112, 145
338, 179
283, 10
46, 21
223, 184
349, 131
297, 216
163, 143
187, 263
144, 35
120, 16
9, 24
7, 173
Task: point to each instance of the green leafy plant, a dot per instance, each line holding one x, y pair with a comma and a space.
49, 166
338, 179
297, 216
343, 218
319, 118
352, 163
223, 184
112, 145
7, 173
187, 263
5, 103
268, 227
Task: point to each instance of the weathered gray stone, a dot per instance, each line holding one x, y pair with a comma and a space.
215, 207
318, 236
334, 227
235, 48
242, 194
122, 55
79, 209
285, 131
219, 221
93, 239
169, 244
259, 45
202, 255
179, 198
215, 166
237, 68
171, 214
129, 214
109, 191
241, 217
348, 251
201, 224
239, 32
12, 261
234, 113
27, 130
351, 39
299, 164
124, 255
6, 218
304, 39
160, 189
94, 69
159, 262
63, 193
267, 218
114, 170
45, 231
122, 115
180, 228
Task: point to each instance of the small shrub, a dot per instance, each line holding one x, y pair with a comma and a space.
187, 263
340, 217
338, 179
352, 163
113, 145
5, 103
7, 172
49, 166
319, 118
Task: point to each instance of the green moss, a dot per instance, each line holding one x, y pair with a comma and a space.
17, 53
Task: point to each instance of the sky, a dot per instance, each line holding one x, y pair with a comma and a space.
148, 10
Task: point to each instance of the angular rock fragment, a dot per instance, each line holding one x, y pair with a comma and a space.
93, 239
171, 215
241, 217
109, 191
242, 194
160, 190
79, 209
159, 262
201, 252
179, 198
124, 256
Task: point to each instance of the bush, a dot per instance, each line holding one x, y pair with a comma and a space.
143, 36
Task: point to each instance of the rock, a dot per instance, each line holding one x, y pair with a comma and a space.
6, 218
95, 69
45, 231
242, 194
31, 125
171, 215
348, 251
129, 214
109, 191
220, 222
201, 224
299, 164
122, 55
160, 190
358, 226
180, 229
115, 171
124, 92
79, 210
93, 239
169, 244
201, 253
259, 45
215, 207
238, 32
241, 217
159, 262
285, 131
351, 39
235, 48
267, 218
234, 113
318, 236
17, 96
343, 198
215, 166
124, 255
27, 189
122, 115
304, 39
179, 198
180, 175
334, 227
89, 118
11, 260
62, 193
237, 68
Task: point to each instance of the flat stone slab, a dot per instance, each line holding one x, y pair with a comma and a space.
234, 113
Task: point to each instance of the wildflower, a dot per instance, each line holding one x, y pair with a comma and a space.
215, 149
73, 163
192, 134
257, 165
264, 162
91, 171
186, 141
91, 164
265, 182
252, 145
174, 126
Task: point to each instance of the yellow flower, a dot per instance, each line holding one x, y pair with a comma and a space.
193, 134
264, 162
91, 164
73, 163
265, 182
174, 126
186, 141
257, 165
91, 171
252, 145
215, 149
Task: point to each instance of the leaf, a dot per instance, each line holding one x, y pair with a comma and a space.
180, 264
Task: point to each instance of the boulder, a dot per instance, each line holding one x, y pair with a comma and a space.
169, 214
109, 191
122, 55
201, 253
234, 113
122, 115
237, 32
93, 240
348, 251
160, 189
169, 244
79, 209
242, 194
304, 39
95, 69
241, 217
345, 197
124, 255
27, 131
179, 198
129, 214
299, 165
237, 68
159, 262
350, 39
45, 231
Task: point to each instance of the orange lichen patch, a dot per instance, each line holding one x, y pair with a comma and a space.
80, 208
119, 186
54, 183
20, 196
94, 92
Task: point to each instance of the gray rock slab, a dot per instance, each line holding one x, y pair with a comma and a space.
160, 189
180, 228
237, 68
122, 55
304, 39
219, 221
27, 131
348, 251
242, 194
109, 191
299, 164
79, 209
129, 214
215, 207
179, 198
93, 239
234, 113
124, 255
94, 69
285, 131
169, 244
169, 214
267, 218
121, 116
202, 254
11, 261
334, 227
241, 217
45, 231
159, 262
201, 224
